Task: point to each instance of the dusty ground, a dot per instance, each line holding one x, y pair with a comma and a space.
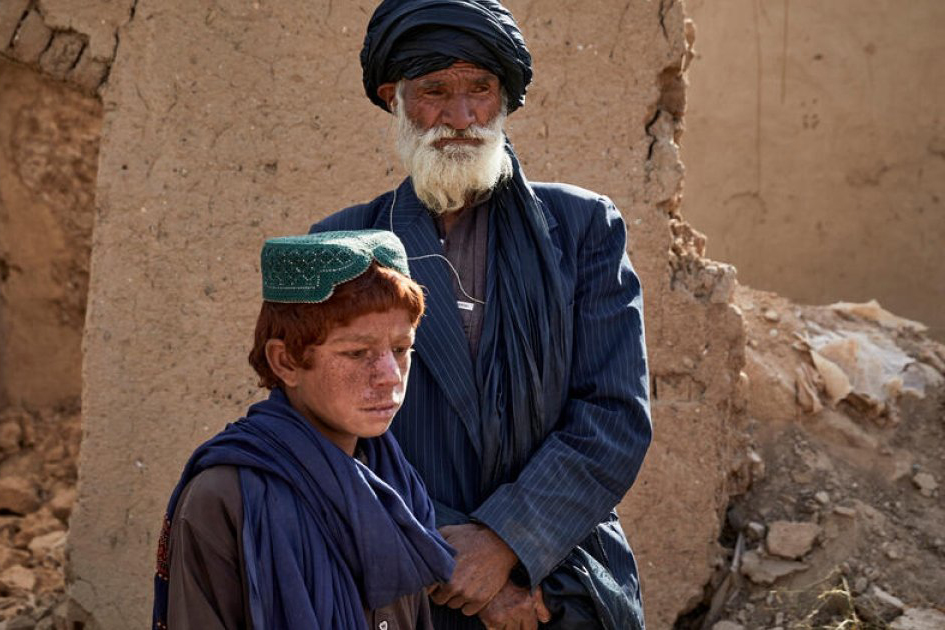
844, 503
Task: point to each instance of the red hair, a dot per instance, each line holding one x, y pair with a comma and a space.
300, 326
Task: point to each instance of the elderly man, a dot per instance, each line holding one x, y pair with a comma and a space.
528, 414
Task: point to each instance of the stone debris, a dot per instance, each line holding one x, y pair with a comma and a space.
807, 389
836, 383
791, 540
762, 569
868, 365
877, 606
62, 502
822, 497
18, 495
727, 625
36, 524
919, 619
17, 578
926, 484
10, 557
47, 544
772, 315
755, 530
872, 311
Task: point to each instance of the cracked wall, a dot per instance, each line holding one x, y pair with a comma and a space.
70, 40
815, 156
230, 122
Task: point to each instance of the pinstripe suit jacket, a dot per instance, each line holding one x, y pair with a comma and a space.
573, 479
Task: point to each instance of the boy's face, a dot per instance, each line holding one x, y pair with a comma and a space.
358, 378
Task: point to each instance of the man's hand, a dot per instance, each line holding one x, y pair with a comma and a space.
514, 608
483, 563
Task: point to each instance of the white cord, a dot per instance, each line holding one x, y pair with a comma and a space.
459, 282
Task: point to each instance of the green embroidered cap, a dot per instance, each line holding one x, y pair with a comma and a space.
308, 268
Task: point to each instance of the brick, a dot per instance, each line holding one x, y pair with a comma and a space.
62, 54
11, 11
31, 39
88, 73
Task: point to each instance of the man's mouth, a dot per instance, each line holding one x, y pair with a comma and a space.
445, 142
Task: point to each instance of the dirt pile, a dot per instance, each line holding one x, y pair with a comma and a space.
843, 520
38, 453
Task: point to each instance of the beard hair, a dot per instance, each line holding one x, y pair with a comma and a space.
444, 179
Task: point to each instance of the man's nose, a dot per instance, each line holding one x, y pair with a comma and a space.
386, 370
458, 113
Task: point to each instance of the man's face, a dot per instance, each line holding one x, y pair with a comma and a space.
358, 378
456, 97
450, 134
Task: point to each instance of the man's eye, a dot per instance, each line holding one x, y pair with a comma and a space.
354, 354
402, 350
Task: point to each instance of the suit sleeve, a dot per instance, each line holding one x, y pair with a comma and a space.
585, 466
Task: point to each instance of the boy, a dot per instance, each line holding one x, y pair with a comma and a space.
304, 514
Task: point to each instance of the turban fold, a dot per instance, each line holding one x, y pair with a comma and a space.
410, 38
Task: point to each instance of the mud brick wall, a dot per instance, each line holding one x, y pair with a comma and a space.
229, 122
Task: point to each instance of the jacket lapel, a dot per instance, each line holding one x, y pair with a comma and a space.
440, 342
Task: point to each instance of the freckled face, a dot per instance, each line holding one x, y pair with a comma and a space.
358, 378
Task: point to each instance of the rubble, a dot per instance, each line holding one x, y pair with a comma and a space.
919, 619
18, 495
791, 540
762, 569
845, 411
925, 483
878, 606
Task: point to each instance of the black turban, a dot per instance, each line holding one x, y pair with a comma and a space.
410, 38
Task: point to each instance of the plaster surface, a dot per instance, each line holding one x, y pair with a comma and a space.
815, 149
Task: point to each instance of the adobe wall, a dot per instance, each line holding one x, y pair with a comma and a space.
48, 151
815, 149
230, 122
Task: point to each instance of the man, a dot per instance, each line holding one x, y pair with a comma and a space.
528, 414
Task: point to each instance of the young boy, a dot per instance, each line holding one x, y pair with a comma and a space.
304, 513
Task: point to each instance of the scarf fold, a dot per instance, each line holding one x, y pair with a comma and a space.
324, 535
522, 368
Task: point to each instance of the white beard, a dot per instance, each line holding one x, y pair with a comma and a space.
445, 179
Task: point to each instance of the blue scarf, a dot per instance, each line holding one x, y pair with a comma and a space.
324, 536
521, 370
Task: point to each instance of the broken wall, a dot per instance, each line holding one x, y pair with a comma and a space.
816, 148
230, 122
48, 150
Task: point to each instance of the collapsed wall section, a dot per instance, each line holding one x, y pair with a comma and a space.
48, 153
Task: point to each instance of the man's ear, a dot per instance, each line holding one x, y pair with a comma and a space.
281, 363
387, 92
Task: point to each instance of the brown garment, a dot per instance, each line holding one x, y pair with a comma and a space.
207, 569
466, 246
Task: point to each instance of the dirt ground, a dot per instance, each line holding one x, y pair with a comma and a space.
843, 524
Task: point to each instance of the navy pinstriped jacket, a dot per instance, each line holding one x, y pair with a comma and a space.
573, 480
